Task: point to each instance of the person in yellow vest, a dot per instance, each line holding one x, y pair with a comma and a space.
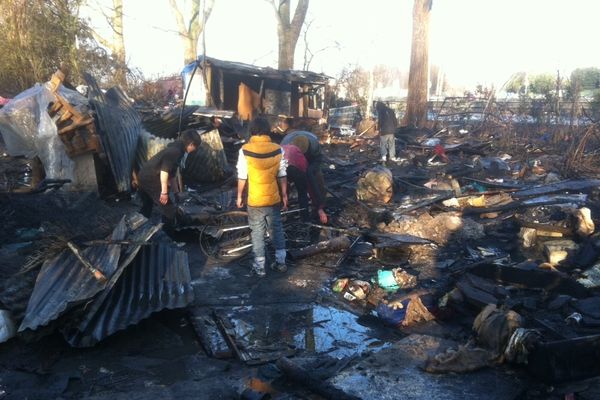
262, 167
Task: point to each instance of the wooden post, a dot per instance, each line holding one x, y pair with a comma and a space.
335, 244
294, 100
221, 90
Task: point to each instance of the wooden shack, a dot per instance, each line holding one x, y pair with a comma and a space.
249, 90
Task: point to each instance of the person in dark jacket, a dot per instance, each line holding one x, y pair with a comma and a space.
386, 124
157, 175
304, 169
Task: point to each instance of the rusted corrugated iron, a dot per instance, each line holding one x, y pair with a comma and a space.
119, 126
158, 278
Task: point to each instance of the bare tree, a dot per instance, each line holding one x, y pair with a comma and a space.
288, 31
308, 53
190, 31
116, 44
416, 103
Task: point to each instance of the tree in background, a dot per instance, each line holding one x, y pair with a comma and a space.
517, 84
543, 85
38, 37
352, 84
288, 31
351, 87
309, 53
116, 43
587, 80
190, 31
416, 103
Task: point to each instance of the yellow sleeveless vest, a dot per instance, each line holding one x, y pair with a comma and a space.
263, 158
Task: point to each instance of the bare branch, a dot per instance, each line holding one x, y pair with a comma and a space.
208, 7
179, 18
194, 23
103, 41
276, 10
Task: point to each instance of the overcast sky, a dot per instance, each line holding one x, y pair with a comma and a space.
474, 41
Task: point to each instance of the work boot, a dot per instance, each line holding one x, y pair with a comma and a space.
279, 264
258, 267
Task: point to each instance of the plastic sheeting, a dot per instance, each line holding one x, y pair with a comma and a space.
28, 130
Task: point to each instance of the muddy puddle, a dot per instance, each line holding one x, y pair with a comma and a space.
305, 329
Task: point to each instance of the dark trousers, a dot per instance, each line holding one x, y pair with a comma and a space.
150, 198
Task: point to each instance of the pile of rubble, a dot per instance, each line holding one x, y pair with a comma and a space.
492, 246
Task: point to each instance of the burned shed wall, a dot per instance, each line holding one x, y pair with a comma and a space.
285, 92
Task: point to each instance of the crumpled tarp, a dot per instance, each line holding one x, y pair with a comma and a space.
28, 130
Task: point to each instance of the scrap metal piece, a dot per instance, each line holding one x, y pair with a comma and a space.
158, 278
119, 126
64, 282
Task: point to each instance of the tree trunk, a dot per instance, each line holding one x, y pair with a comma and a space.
190, 31
190, 52
289, 31
416, 104
118, 44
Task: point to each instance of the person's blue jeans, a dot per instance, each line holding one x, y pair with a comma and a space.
260, 219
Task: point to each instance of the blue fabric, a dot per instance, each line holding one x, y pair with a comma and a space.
260, 219
391, 316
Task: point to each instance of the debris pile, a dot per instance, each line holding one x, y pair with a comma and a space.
487, 243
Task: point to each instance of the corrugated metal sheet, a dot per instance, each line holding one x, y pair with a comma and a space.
64, 282
159, 278
119, 126
208, 163
166, 125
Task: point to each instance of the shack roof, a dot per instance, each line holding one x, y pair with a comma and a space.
265, 72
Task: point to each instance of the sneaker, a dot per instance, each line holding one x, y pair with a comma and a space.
259, 271
258, 267
383, 159
280, 267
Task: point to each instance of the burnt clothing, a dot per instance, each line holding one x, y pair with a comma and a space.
149, 188
386, 120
